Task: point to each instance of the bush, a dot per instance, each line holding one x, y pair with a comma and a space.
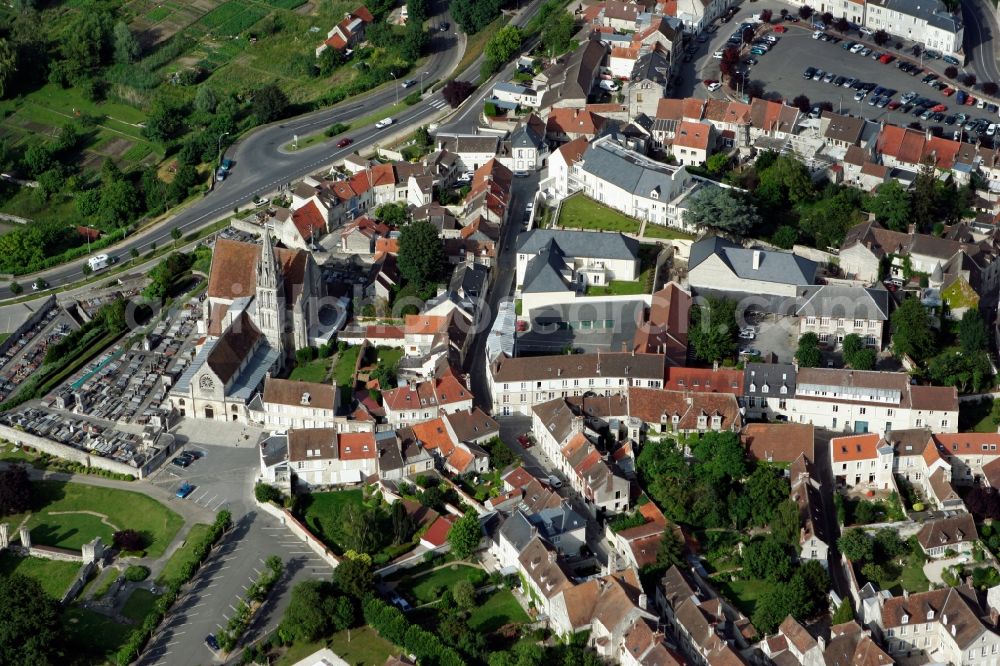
267, 493
305, 355
136, 573
335, 129
129, 540
412, 98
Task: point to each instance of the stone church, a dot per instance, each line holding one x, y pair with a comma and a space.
261, 305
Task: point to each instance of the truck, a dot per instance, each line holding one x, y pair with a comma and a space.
99, 262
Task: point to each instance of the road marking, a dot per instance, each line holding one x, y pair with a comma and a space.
245, 587
233, 607
256, 571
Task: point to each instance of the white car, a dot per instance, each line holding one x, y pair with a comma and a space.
771, 38
857, 47
748, 334
866, 31
817, 34
713, 86
610, 86
385, 122
717, 55
466, 177
991, 129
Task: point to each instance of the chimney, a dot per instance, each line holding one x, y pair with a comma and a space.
715, 366
552, 556
906, 593
953, 631
643, 601
756, 260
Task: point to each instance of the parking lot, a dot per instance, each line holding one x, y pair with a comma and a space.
780, 71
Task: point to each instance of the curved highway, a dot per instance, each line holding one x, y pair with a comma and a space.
261, 165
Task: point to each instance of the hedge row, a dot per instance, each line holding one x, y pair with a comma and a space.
390, 623
133, 646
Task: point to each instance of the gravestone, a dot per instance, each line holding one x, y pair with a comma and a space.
4, 535
25, 536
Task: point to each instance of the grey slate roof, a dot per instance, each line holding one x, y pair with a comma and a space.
627, 170
517, 530
842, 301
513, 88
774, 375
652, 66
468, 279
544, 272
525, 136
778, 267
597, 244
933, 12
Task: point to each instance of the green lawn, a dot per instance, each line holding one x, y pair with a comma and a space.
579, 212
123, 509
618, 288
388, 356
976, 416
172, 570
93, 633
364, 647
54, 576
498, 609
322, 510
313, 371
744, 593
139, 604
343, 369
666, 233
426, 588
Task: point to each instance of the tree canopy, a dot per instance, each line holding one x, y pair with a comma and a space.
421, 254
723, 209
474, 15
15, 490
713, 329
29, 621
912, 334
808, 353
465, 534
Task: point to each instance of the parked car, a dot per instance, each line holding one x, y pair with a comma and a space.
951, 60
524, 440
748, 334
182, 460
960, 96
346, 141
39, 284
712, 85
717, 55
939, 108
808, 73
211, 642
555, 482
780, 29
184, 490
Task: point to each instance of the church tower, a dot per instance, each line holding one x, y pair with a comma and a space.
270, 298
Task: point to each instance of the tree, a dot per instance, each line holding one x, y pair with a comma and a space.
844, 613
972, 332
456, 92
127, 47
924, 195
402, 523
465, 535
723, 209
827, 18
864, 359
842, 25
712, 333
671, 552
881, 37
557, 34
911, 331
175, 234
717, 164
805, 11
766, 490
8, 67
29, 622
16, 288
785, 237
766, 16
951, 71
393, 214
503, 45
205, 99
269, 103
310, 612
969, 79
990, 88
421, 254
129, 540
802, 103
15, 490
359, 528
856, 545
353, 576
766, 558
134, 253
474, 15
785, 523
808, 353
888, 545
265, 492
891, 206
464, 594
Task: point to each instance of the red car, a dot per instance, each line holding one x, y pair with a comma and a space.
940, 108
894, 104
524, 441
886, 58
780, 29
970, 101
948, 92
343, 143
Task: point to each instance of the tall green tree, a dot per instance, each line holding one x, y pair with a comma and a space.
310, 612
127, 47
15, 490
808, 353
713, 329
353, 576
972, 332
557, 33
465, 535
924, 197
891, 205
912, 333
856, 545
504, 44
766, 490
8, 67
766, 559
785, 523
421, 254
269, 103
29, 623
723, 209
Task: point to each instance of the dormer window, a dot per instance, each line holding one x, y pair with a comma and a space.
930, 615
765, 388
906, 618
753, 387
783, 389
306, 398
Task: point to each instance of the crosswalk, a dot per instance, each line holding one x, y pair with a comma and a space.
438, 103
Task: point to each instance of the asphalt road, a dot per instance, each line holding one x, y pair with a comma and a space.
780, 71
223, 478
261, 164
980, 31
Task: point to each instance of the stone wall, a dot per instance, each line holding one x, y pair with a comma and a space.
301, 531
69, 453
25, 326
81, 580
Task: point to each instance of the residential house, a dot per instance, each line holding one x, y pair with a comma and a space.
841, 131
693, 143
542, 573
639, 546
401, 456
571, 85
568, 124
529, 151
349, 32
490, 192
274, 462
931, 24
646, 82
517, 384
324, 457
779, 443
421, 401
664, 326
717, 265
359, 236
849, 643
449, 452
946, 536
767, 390
814, 542
835, 311
469, 151
289, 403
684, 412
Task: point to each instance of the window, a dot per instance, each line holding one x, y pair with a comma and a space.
861, 410
859, 323
810, 321
944, 423
781, 403
889, 412
836, 408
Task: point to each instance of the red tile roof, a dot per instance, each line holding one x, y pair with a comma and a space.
705, 380
437, 535
855, 447
357, 446
309, 220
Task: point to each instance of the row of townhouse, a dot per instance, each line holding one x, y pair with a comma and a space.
848, 643
847, 400
324, 456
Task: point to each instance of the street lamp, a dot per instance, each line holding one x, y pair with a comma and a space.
219, 145
395, 86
